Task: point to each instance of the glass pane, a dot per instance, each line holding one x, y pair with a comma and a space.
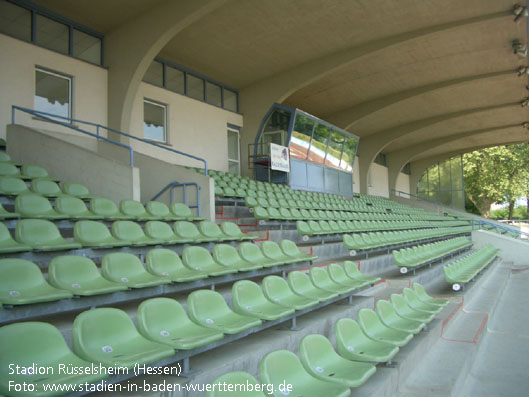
444, 173
318, 146
154, 121
233, 167
422, 186
433, 179
174, 79
300, 140
154, 74
446, 197
195, 87
214, 94
86, 47
52, 35
457, 174
274, 130
15, 21
458, 200
349, 152
230, 100
52, 93
233, 145
334, 153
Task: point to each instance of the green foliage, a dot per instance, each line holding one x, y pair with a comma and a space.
503, 213
496, 175
470, 207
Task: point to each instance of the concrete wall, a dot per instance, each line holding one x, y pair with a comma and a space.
17, 83
403, 183
511, 249
356, 175
71, 163
379, 180
194, 127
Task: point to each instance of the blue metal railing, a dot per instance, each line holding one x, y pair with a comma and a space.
175, 184
43, 115
97, 135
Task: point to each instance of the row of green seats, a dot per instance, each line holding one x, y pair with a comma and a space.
33, 205
12, 186
415, 256
43, 235
465, 269
364, 241
323, 371
21, 281
25, 171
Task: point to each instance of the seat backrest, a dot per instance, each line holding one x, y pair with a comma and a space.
19, 274
127, 230
70, 205
66, 271
156, 315
299, 281
4, 157
45, 187
181, 210
34, 171
226, 255
89, 232
271, 249
319, 277
250, 252
8, 169
187, 230
204, 304
209, 229
275, 287
346, 331
195, 257
316, 351
336, 272
156, 208
132, 208
289, 248
75, 189
104, 207
36, 231
118, 265
159, 230
11, 185
231, 229
163, 262
280, 365
32, 205
246, 293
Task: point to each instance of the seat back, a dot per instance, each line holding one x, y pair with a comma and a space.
8, 169
36, 231
289, 248
119, 266
320, 278
316, 352
11, 185
275, 288
337, 273
156, 208
75, 189
104, 207
34, 171
71, 206
127, 230
17, 275
159, 230
271, 250
90, 232
132, 208
160, 316
210, 229
32, 205
4, 157
250, 252
246, 293
163, 262
197, 258
181, 210
68, 271
226, 255
186, 230
45, 187
299, 281
206, 304
280, 365
231, 229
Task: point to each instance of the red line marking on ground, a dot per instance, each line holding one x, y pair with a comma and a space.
226, 219
221, 211
380, 282
264, 239
452, 314
520, 269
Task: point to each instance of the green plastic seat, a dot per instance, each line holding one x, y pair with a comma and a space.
11, 186
108, 336
134, 209
404, 310
251, 253
415, 303
79, 276
164, 320
271, 250
4, 214
389, 317
127, 269
182, 211
351, 269
290, 249
282, 367
132, 232
236, 378
76, 190
248, 300
34, 172
209, 309
300, 283
8, 245
422, 295
159, 210
43, 235
164, 262
95, 234
8, 169
338, 275
21, 283
35, 206
353, 344
375, 329
321, 361
188, 231
320, 278
227, 256
42, 345
199, 259
4, 157
161, 231
73, 207
276, 290
304, 229
212, 231
105, 208
232, 229
46, 187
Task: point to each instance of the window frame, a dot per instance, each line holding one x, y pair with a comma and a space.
63, 76
236, 130
165, 107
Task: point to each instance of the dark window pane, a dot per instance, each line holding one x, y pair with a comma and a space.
334, 153
154, 74
318, 145
154, 121
52, 34
195, 87
300, 140
15, 21
214, 94
52, 93
86, 47
174, 80
230, 100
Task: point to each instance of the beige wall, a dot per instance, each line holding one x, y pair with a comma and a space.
356, 175
70, 163
194, 127
17, 83
379, 181
403, 183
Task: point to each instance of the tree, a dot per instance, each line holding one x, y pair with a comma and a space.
496, 175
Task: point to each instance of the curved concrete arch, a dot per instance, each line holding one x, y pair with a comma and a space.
373, 144
257, 98
398, 159
130, 49
345, 118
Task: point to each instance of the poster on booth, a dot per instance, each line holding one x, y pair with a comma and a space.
279, 158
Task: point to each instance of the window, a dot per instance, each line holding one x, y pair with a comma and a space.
406, 169
349, 152
381, 159
230, 100
154, 121
300, 140
53, 35
53, 93
334, 152
15, 21
154, 74
214, 94
175, 80
318, 145
195, 87
86, 47
233, 152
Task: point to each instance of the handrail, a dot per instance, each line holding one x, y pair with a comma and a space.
173, 185
43, 115
98, 126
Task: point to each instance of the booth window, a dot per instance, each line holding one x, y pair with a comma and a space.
154, 121
53, 93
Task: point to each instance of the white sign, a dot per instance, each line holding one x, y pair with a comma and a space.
279, 158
